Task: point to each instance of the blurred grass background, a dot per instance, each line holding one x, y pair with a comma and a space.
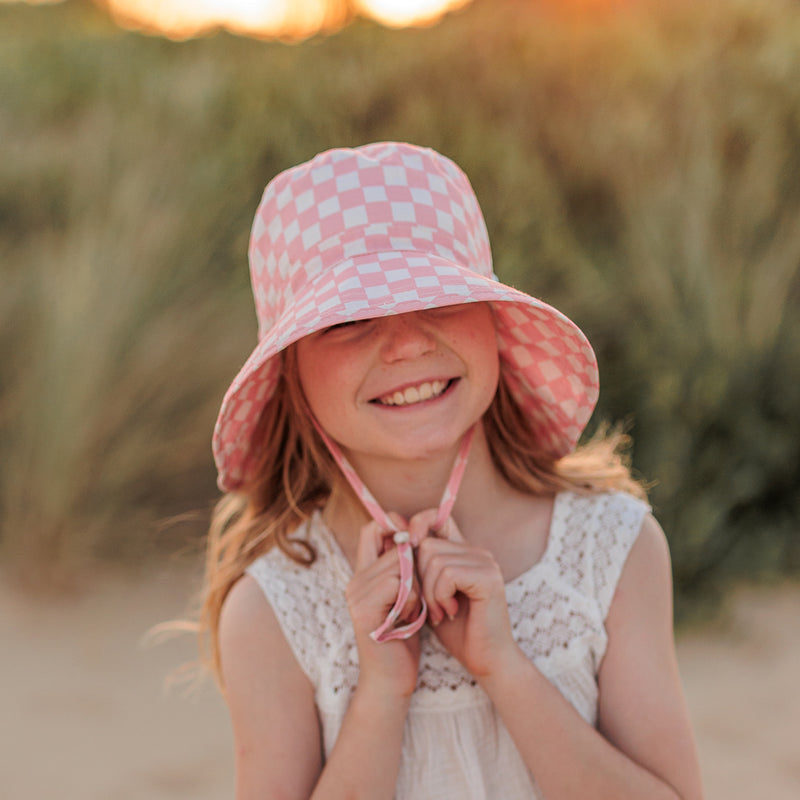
639, 169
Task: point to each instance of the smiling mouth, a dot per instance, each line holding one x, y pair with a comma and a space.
415, 394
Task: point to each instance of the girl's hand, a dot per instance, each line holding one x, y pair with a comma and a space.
390, 667
465, 592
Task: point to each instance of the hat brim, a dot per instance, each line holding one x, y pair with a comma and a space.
549, 363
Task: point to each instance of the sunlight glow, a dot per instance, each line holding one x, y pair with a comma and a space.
290, 19
408, 12
185, 18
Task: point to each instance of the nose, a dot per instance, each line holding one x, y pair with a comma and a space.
405, 336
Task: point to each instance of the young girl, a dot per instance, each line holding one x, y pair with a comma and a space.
417, 587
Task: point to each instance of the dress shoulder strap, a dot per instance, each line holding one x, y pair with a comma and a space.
590, 539
308, 601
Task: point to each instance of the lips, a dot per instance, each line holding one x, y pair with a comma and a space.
427, 390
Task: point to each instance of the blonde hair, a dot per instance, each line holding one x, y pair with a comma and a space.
295, 473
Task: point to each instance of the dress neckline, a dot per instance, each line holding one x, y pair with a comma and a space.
553, 537
343, 565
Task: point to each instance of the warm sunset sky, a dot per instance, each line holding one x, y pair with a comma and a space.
287, 18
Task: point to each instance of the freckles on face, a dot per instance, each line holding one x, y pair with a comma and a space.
347, 372
324, 374
480, 348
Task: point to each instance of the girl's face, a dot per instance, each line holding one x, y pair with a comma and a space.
405, 386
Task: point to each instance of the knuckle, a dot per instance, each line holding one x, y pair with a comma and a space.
441, 563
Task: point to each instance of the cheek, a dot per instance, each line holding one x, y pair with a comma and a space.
481, 338
491, 368
315, 378
329, 380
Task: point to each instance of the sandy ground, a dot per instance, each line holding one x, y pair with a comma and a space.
85, 713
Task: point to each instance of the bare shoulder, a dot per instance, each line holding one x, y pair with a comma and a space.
246, 618
270, 699
645, 585
244, 600
651, 550
254, 651
640, 617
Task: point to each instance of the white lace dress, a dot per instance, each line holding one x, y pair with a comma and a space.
454, 744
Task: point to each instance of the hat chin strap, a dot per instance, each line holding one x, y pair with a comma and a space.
388, 630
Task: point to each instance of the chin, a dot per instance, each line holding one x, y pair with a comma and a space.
427, 445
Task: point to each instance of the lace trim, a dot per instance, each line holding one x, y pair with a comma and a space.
557, 607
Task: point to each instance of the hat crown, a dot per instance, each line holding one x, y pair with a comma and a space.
345, 204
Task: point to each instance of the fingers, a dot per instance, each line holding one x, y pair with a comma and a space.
450, 531
413, 605
440, 584
444, 566
451, 570
420, 529
397, 521
370, 545
419, 526
374, 540
373, 589
423, 524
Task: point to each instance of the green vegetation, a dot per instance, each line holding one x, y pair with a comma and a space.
641, 171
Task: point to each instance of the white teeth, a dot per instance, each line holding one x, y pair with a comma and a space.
414, 394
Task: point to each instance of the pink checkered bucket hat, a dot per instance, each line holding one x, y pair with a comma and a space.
384, 229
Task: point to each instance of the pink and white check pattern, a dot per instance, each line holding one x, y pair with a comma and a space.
385, 229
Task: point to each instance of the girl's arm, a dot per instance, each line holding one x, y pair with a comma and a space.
646, 749
271, 702
278, 746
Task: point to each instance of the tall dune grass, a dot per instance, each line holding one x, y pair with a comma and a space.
639, 170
